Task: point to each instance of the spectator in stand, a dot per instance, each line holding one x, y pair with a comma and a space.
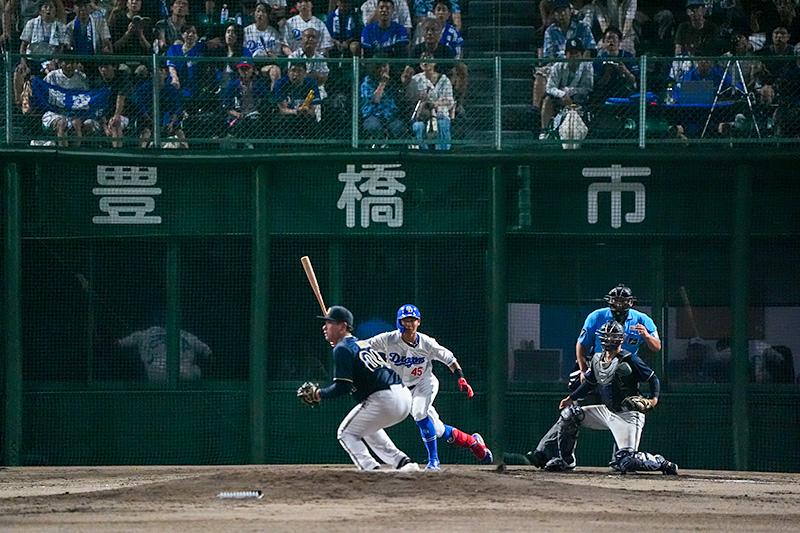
233, 51
170, 106
88, 35
345, 29
787, 18
619, 14
451, 37
68, 77
697, 33
384, 36
775, 62
115, 121
294, 27
401, 15
187, 76
246, 100
427, 8
169, 30
262, 40
564, 27
309, 50
131, 34
616, 71
16, 14
435, 105
42, 35
381, 97
570, 83
764, 19
298, 99
787, 115
431, 30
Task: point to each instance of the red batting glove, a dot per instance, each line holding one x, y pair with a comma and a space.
463, 386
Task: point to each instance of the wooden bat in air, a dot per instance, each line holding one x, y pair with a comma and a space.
312, 280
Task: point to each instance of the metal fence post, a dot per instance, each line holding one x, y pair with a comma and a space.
156, 102
355, 94
9, 82
498, 101
642, 101
12, 270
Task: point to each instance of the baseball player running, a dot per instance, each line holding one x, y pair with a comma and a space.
615, 375
383, 401
411, 354
639, 329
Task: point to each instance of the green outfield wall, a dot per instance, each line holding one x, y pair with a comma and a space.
118, 269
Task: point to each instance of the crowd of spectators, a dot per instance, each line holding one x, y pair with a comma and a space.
759, 38
259, 69
252, 86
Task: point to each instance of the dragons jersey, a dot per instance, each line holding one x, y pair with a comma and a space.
411, 362
356, 362
621, 386
632, 340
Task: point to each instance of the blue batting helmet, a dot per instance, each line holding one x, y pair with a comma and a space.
407, 311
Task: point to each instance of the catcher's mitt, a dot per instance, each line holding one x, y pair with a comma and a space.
309, 393
637, 403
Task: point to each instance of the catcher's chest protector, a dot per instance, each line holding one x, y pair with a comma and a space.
604, 370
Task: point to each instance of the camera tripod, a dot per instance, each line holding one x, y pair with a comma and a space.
733, 67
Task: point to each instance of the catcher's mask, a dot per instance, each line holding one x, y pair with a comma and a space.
611, 335
620, 299
407, 311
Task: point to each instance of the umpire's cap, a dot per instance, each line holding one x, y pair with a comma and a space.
337, 313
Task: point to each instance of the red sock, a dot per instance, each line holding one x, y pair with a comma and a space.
459, 438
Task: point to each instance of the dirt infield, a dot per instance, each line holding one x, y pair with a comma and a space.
338, 498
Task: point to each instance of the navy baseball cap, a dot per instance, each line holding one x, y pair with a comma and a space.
695, 3
337, 313
574, 45
561, 4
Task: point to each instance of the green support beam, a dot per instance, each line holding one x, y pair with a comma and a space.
258, 323
12, 453
740, 257
498, 328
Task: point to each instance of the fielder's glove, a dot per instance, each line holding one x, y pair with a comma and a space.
637, 403
463, 386
309, 393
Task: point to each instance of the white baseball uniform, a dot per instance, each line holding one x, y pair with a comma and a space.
414, 365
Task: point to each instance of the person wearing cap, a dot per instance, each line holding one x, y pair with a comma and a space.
570, 82
297, 96
697, 33
383, 400
563, 28
246, 100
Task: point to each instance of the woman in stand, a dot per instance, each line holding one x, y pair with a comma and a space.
435, 105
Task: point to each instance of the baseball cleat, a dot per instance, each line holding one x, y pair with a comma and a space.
403, 462
557, 464
487, 458
409, 467
537, 458
433, 466
669, 468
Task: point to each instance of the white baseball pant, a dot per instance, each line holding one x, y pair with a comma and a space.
366, 423
422, 397
626, 426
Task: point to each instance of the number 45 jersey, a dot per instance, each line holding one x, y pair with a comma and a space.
412, 363
355, 361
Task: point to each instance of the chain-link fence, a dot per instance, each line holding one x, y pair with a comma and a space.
224, 103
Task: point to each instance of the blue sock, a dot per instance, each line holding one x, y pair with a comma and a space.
448, 433
428, 433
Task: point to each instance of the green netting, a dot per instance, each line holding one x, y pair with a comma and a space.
106, 257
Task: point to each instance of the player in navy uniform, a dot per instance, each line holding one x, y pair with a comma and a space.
615, 374
639, 329
383, 400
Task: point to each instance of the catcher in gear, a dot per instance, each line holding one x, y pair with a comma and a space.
614, 374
